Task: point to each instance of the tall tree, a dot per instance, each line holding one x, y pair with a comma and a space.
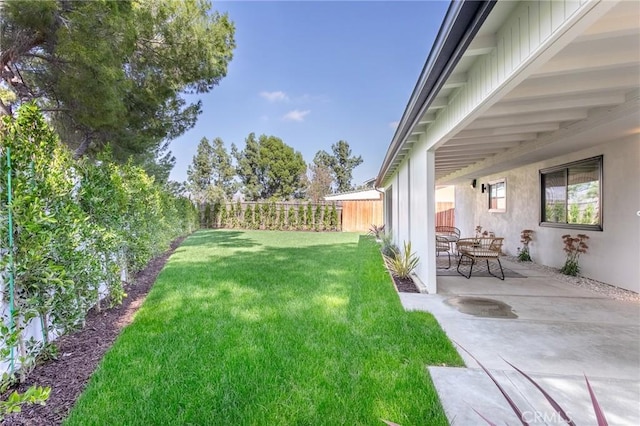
199, 173
223, 172
320, 182
269, 169
113, 71
210, 175
341, 164
344, 165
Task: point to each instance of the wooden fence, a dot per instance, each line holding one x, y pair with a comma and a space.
359, 215
445, 214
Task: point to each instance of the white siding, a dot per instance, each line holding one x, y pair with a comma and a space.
402, 230
418, 208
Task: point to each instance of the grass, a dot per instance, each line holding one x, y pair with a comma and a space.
260, 328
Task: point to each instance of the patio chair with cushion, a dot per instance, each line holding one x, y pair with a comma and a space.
443, 246
450, 233
478, 249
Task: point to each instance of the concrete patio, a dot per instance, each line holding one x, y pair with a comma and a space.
561, 333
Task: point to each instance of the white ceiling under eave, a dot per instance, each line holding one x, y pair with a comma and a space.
584, 95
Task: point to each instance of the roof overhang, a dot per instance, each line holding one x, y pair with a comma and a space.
581, 90
461, 23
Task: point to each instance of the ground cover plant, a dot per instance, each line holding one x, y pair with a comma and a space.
263, 327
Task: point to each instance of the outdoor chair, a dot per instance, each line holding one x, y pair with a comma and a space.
443, 246
450, 233
478, 249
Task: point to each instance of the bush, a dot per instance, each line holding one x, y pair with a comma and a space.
77, 224
402, 263
573, 246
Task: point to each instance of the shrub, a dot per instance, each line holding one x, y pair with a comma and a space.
388, 248
292, 222
525, 239
335, 220
403, 263
302, 217
574, 247
377, 231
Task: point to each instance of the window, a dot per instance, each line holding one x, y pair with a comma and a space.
498, 196
572, 195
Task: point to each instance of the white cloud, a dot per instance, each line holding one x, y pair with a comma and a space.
274, 96
296, 115
394, 124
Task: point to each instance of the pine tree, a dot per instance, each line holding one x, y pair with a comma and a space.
309, 217
335, 225
292, 222
326, 218
318, 217
223, 215
302, 217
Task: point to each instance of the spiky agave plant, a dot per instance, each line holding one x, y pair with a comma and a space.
401, 264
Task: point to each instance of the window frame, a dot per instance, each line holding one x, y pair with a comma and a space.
494, 183
599, 160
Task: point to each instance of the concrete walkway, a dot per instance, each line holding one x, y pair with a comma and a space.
562, 333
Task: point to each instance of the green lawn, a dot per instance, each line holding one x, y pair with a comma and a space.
266, 328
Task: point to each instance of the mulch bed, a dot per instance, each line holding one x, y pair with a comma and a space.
80, 352
405, 285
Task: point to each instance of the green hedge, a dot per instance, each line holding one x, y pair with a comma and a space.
77, 224
272, 215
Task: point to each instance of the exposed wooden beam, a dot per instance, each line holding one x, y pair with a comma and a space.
624, 78
534, 118
481, 45
587, 100
456, 80
427, 118
516, 129
503, 139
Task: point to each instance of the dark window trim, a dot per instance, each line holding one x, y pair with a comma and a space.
566, 166
491, 183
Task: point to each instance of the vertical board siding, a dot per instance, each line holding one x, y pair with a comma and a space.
522, 36
359, 215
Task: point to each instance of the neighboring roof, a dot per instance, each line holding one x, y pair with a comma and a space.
461, 23
364, 194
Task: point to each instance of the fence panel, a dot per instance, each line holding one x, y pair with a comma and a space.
359, 215
445, 214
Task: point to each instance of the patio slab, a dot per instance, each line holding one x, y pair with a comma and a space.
562, 333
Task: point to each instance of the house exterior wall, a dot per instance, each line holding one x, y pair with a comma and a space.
418, 209
465, 211
404, 199
613, 252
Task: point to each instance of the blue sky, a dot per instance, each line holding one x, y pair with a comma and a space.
313, 73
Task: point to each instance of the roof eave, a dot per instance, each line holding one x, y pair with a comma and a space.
461, 23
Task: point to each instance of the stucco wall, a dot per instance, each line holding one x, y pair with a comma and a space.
614, 253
